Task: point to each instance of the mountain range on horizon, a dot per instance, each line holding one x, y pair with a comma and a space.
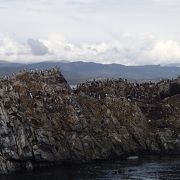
77, 72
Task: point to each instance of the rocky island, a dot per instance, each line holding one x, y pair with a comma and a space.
44, 122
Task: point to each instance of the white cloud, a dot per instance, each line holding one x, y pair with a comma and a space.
164, 52
129, 49
10, 47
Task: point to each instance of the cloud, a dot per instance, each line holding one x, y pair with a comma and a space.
129, 49
10, 47
164, 51
37, 47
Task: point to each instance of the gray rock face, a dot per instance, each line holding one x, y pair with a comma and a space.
43, 122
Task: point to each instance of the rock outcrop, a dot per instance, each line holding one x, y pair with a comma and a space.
44, 122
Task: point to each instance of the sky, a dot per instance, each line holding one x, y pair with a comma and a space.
130, 32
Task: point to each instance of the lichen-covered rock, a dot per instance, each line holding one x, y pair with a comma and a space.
43, 122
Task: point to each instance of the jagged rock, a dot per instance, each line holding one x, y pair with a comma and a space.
43, 122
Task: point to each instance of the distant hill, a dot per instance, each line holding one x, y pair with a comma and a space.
9, 64
76, 72
174, 64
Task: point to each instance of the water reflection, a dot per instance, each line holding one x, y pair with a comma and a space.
142, 169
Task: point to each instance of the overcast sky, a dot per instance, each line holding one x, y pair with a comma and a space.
108, 31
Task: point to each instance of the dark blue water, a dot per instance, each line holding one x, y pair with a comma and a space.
143, 169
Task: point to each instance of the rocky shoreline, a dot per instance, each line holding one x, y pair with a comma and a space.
44, 122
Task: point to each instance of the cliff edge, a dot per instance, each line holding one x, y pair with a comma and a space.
44, 122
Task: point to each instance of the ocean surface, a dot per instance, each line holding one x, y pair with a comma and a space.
151, 168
